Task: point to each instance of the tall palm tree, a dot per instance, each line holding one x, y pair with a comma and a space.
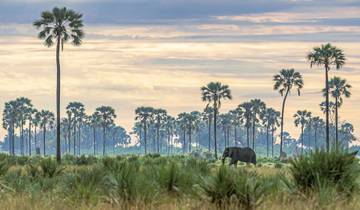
46, 120
327, 56
247, 116
257, 107
208, 116
59, 26
144, 115
338, 87
302, 118
106, 118
332, 109
213, 93
285, 81
30, 117
347, 131
274, 123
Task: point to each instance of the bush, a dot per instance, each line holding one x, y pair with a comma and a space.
334, 169
50, 167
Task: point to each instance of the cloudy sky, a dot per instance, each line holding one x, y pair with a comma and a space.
160, 52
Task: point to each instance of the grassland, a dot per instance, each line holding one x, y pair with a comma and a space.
178, 182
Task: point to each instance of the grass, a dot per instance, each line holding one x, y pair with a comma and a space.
179, 182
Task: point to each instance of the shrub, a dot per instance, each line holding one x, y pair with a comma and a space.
334, 169
4, 167
50, 167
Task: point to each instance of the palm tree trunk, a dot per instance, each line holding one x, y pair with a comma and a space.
58, 151
145, 134
327, 107
22, 138
315, 138
94, 133
184, 140
267, 141
69, 135
190, 139
74, 145
282, 121
29, 139
253, 135
158, 138
13, 139
302, 139
104, 136
272, 142
44, 140
79, 140
209, 130
336, 123
247, 136
35, 138
215, 142
235, 136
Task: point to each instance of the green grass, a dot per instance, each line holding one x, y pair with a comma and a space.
317, 181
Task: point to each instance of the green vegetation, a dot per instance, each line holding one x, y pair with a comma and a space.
179, 182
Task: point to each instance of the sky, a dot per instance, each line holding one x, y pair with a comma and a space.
159, 53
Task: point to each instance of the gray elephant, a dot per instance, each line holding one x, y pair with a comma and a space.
236, 154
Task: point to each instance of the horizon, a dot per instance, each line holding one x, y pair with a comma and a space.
162, 60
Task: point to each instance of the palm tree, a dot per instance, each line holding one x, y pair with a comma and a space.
332, 108
338, 88
30, 117
302, 118
317, 123
24, 109
192, 123
144, 114
236, 120
59, 26
327, 56
106, 117
169, 127
181, 123
247, 116
257, 107
208, 116
159, 117
225, 122
75, 112
347, 131
10, 115
213, 93
284, 82
46, 120
269, 118
94, 122
274, 123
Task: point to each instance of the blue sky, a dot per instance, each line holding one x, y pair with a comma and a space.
159, 52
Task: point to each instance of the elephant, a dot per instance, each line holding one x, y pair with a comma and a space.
236, 154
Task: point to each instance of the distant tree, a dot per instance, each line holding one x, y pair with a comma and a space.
269, 119
257, 107
213, 93
76, 115
317, 123
94, 122
302, 118
24, 108
246, 108
208, 116
59, 26
181, 123
347, 133
170, 130
332, 108
284, 82
338, 88
159, 118
106, 118
144, 115
46, 120
327, 56
225, 122
236, 121
31, 116
10, 116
